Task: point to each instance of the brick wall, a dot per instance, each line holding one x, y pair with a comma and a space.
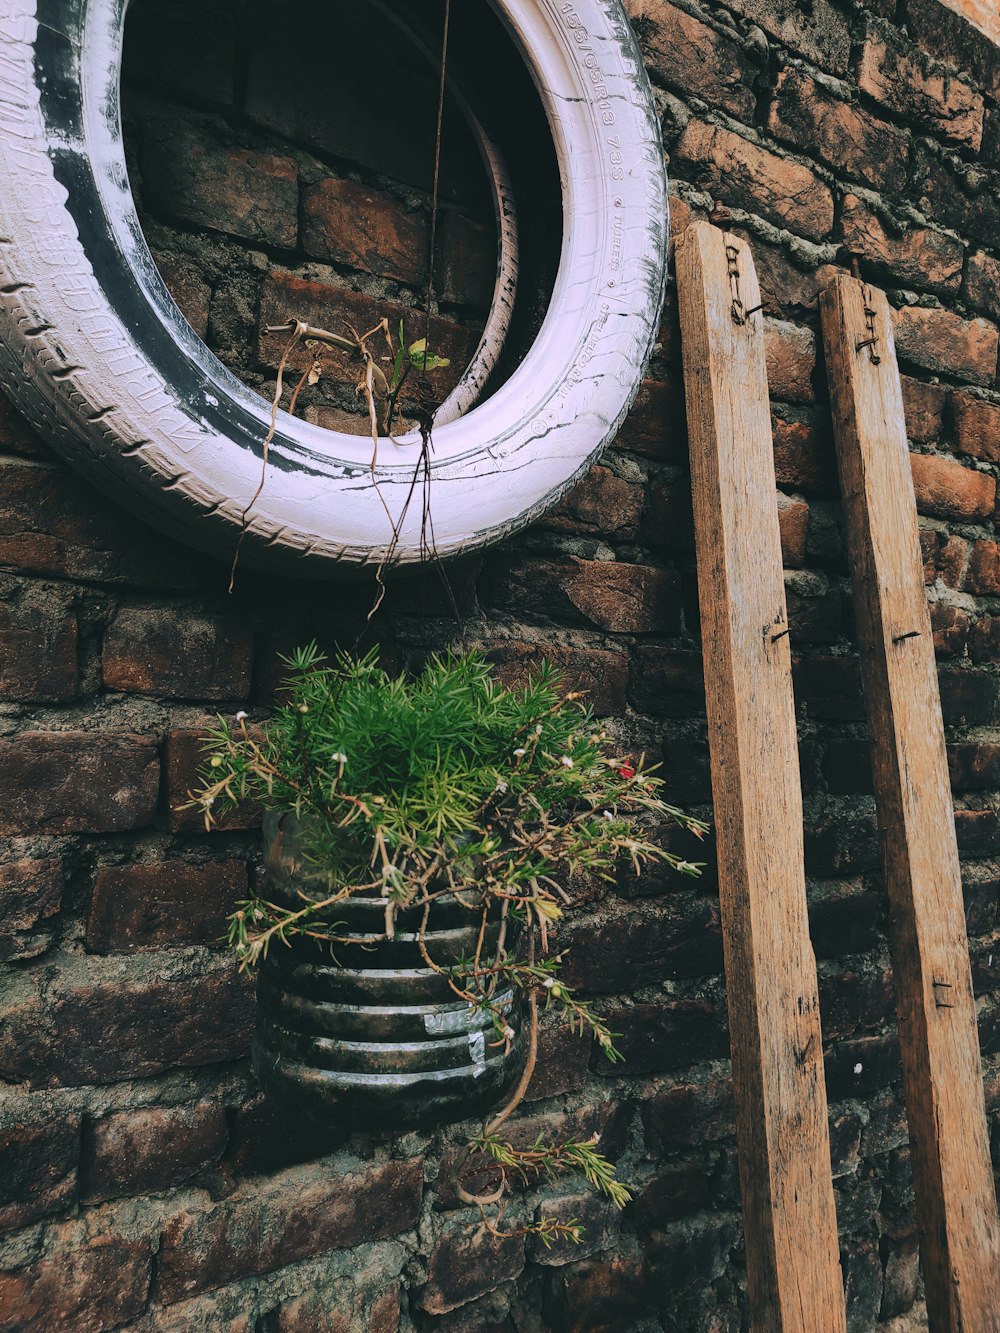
145, 1183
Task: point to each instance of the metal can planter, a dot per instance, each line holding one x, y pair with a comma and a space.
368, 1035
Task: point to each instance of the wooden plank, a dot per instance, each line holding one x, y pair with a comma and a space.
789, 1219
956, 1199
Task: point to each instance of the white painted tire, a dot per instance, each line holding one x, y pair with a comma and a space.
98, 357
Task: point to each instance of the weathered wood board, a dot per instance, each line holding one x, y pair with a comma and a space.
790, 1224
956, 1200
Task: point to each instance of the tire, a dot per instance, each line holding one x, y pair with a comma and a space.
98, 357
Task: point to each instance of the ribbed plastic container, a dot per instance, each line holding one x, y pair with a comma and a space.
369, 1036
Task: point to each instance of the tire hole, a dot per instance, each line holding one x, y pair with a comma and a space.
284, 170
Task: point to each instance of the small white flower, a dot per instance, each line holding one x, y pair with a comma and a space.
501, 787
241, 715
509, 1033
607, 814
566, 761
339, 758
858, 1067
548, 982
520, 753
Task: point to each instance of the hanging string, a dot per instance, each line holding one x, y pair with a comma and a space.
432, 245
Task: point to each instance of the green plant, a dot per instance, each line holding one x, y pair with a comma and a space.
448, 785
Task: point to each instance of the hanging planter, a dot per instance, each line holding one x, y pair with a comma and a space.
419, 840
99, 358
364, 1032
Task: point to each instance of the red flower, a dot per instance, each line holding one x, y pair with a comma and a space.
626, 771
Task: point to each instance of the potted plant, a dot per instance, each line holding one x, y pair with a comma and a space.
421, 839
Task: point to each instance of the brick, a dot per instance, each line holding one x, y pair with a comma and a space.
885, 1132
394, 137
974, 766
820, 32
990, 151
938, 340
676, 1191
668, 521
178, 652
686, 1261
264, 1229
148, 1150
854, 1000
977, 427
599, 1218
929, 542
77, 782
917, 256
947, 35
151, 906
38, 646
606, 1124
845, 136
878, 1058
466, 264
30, 891
955, 193
946, 489
790, 351
286, 297
689, 1114
983, 576
656, 1038
982, 283
692, 57
668, 682
267, 1136
829, 687
466, 1263
923, 405
107, 1031
844, 917
680, 939
784, 287
968, 698
746, 176
612, 595
862, 1267
184, 758
53, 523
814, 608
904, 80
364, 228
984, 639
793, 526
188, 175
901, 1273
600, 674
38, 1169
600, 504
563, 1061
804, 457
202, 64
16, 436
951, 628
844, 843
188, 288
977, 832
601, 1294
101, 1285
339, 1309
847, 766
